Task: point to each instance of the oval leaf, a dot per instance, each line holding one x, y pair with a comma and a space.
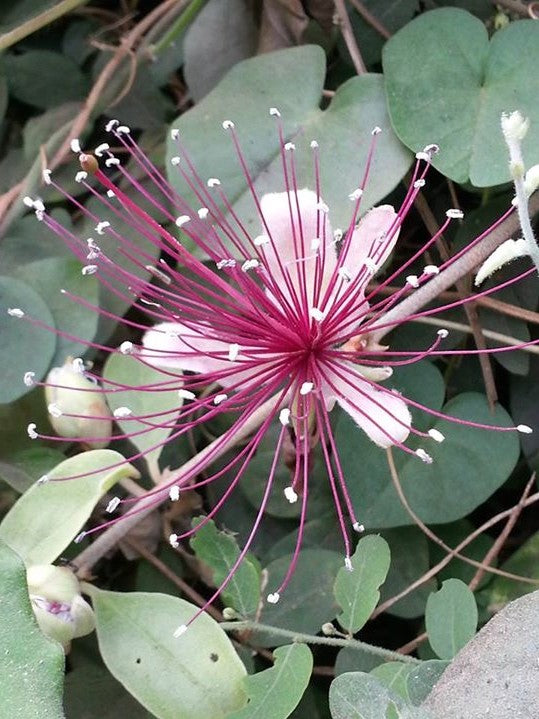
276, 692
451, 618
195, 676
454, 90
357, 592
48, 516
31, 665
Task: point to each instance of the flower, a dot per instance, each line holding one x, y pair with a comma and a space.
60, 610
280, 326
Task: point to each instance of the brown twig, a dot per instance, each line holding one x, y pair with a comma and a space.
370, 19
348, 35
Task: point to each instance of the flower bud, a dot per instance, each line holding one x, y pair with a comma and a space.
76, 395
60, 610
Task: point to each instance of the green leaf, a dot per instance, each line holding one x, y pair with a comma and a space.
451, 618
446, 83
422, 678
308, 600
195, 676
33, 78
23, 347
409, 560
275, 692
31, 665
166, 404
219, 550
292, 80
38, 129
439, 492
394, 675
20, 469
49, 277
48, 516
356, 695
357, 592
224, 30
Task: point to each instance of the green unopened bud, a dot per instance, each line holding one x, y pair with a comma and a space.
75, 395
60, 610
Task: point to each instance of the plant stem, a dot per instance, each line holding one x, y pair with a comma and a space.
38, 21
314, 639
178, 27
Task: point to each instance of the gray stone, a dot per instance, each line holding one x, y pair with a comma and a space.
496, 675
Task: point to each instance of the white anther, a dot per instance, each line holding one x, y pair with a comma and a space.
219, 398
213, 182
454, 214
174, 133
77, 365
314, 144
29, 378
249, 265
289, 146
28, 201
123, 130
261, 240
174, 493
322, 206
78, 539
80, 176
371, 265
315, 243
175, 161
348, 564
46, 176
225, 263
228, 125
424, 456
423, 156
344, 274
274, 112
186, 394
233, 351
356, 194
31, 430
75, 145
306, 387
182, 220
121, 412
101, 149
54, 410
436, 435
273, 598
101, 227
180, 631
431, 270
127, 348
418, 184
89, 270
357, 527
111, 193
173, 541
337, 234
317, 314
524, 429
112, 161
431, 149
39, 206
113, 505
284, 416
111, 124
412, 280
376, 130
15, 312
203, 212
442, 333
43, 479
290, 495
